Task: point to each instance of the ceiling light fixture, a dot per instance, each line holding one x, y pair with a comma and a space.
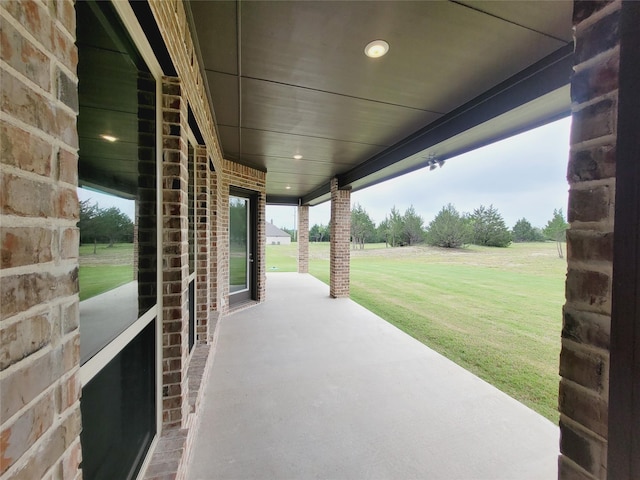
297, 156
108, 138
288, 187
376, 49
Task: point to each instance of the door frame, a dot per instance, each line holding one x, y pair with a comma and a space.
252, 244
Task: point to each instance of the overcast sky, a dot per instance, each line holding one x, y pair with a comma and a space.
522, 176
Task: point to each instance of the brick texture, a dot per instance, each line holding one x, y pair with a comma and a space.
339, 250
39, 338
40, 418
171, 20
145, 239
203, 241
249, 179
175, 255
213, 251
303, 239
584, 359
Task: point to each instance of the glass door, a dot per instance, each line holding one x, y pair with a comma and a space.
241, 239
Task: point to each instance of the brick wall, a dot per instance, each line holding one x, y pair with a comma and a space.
203, 242
584, 360
303, 239
39, 337
175, 255
213, 253
222, 240
236, 175
172, 21
146, 240
339, 254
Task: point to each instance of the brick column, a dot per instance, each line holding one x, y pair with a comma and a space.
303, 239
584, 360
175, 328
261, 232
340, 241
39, 335
222, 234
146, 229
203, 243
214, 311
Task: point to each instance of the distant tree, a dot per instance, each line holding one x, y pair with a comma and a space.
448, 229
488, 227
115, 226
383, 231
412, 227
319, 233
291, 232
395, 227
556, 229
523, 232
103, 225
362, 227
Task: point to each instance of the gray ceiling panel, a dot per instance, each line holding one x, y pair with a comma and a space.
230, 143
308, 88
333, 152
540, 16
224, 94
300, 111
441, 54
215, 22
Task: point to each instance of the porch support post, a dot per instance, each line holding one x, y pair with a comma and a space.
303, 239
340, 241
175, 253
214, 307
588, 333
202, 238
624, 367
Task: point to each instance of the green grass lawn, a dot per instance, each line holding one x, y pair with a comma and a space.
494, 311
237, 272
105, 270
97, 280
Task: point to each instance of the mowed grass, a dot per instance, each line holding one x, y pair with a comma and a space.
494, 311
105, 270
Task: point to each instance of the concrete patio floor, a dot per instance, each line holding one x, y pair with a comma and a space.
304, 386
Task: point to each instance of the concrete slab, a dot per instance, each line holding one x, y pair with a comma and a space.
304, 386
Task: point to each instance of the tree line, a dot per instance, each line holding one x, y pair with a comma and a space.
449, 229
103, 225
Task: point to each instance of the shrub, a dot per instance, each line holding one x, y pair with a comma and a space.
448, 229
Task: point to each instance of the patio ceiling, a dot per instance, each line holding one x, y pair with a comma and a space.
289, 78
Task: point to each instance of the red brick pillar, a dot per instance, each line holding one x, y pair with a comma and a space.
214, 312
39, 336
340, 241
303, 239
175, 253
261, 233
203, 242
584, 360
222, 233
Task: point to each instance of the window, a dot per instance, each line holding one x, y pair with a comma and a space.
118, 229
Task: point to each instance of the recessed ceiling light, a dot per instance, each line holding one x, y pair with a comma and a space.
376, 49
297, 156
109, 138
288, 187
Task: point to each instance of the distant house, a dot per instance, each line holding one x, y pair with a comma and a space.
275, 236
